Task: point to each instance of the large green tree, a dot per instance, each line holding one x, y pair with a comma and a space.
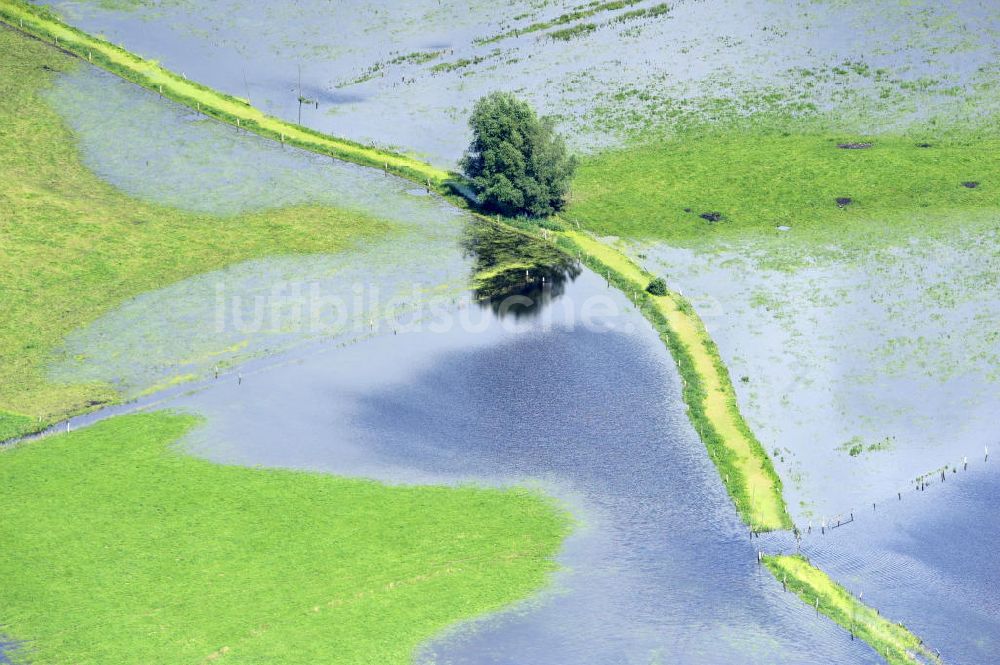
516, 161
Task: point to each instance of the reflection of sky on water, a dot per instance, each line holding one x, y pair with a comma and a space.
698, 48
661, 570
927, 559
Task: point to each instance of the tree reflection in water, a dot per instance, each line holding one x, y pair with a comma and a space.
515, 274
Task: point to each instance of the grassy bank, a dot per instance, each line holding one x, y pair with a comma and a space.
891, 640
757, 178
72, 247
46, 25
120, 549
742, 462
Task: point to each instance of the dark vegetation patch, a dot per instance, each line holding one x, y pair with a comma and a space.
647, 12
516, 162
970, 184
711, 216
657, 287
854, 146
844, 201
857, 446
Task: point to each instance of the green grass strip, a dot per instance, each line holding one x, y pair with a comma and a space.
891, 640
44, 24
741, 460
118, 548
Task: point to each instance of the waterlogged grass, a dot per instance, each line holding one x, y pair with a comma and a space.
751, 179
72, 247
891, 640
582, 12
45, 25
742, 462
120, 549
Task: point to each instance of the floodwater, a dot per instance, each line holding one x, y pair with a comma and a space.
928, 558
350, 58
893, 350
580, 400
158, 151
661, 569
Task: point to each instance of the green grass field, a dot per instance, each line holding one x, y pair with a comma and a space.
759, 178
120, 549
73, 247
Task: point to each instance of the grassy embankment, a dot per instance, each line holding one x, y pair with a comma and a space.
891, 640
46, 25
757, 178
741, 460
72, 247
120, 549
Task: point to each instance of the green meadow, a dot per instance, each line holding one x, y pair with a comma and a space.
752, 178
72, 247
129, 551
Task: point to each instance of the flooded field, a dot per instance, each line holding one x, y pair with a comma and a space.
406, 75
157, 151
867, 367
837, 360
922, 558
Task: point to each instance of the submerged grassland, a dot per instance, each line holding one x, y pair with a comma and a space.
72, 247
44, 24
120, 548
742, 462
892, 641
